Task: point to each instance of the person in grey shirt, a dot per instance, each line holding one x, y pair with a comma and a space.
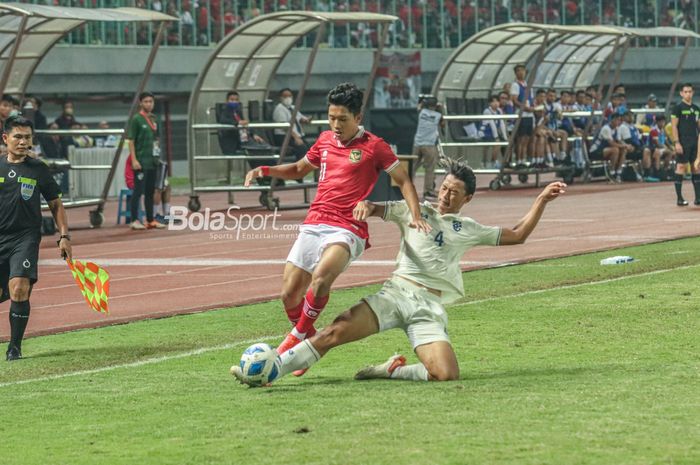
425, 143
283, 114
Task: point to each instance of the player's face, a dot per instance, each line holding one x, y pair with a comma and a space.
452, 196
147, 104
342, 122
18, 141
687, 93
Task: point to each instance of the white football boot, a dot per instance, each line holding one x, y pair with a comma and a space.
382, 371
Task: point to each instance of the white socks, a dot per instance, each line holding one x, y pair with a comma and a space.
415, 372
301, 356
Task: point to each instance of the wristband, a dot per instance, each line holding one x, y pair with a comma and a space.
265, 170
63, 236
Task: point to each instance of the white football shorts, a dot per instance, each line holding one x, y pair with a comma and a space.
313, 239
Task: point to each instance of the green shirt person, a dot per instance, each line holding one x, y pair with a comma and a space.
144, 154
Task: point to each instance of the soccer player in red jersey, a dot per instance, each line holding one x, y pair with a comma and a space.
349, 160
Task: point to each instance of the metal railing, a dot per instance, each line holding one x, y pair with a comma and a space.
441, 24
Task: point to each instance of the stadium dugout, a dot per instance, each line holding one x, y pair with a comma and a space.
246, 60
28, 32
559, 57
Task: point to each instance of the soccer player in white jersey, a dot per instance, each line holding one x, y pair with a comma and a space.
427, 277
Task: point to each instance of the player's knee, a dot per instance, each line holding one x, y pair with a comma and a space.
290, 298
19, 289
443, 373
321, 283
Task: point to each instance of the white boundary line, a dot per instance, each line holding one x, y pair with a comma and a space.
203, 350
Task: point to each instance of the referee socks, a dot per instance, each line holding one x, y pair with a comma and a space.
19, 317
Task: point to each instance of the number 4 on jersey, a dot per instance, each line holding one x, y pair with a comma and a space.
438, 239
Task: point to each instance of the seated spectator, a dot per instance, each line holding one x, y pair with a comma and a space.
51, 145
81, 140
559, 146
659, 148
631, 137
106, 140
494, 130
616, 102
605, 146
648, 119
232, 113
283, 114
543, 135
583, 103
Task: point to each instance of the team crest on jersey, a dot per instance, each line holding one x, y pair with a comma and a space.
457, 225
27, 188
355, 156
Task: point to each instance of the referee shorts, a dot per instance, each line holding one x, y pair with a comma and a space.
690, 152
19, 256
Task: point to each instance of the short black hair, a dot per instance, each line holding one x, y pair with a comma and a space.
460, 170
493, 97
518, 66
285, 89
17, 121
8, 98
579, 92
540, 91
618, 86
660, 117
347, 95
230, 93
567, 92
687, 84
145, 95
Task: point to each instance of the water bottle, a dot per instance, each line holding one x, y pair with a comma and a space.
617, 260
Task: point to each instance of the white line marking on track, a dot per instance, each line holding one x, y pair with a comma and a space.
565, 220
678, 220
203, 350
219, 262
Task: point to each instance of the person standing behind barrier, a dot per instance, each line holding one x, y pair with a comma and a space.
522, 100
492, 130
283, 114
144, 153
684, 121
425, 144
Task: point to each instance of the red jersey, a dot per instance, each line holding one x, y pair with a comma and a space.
347, 174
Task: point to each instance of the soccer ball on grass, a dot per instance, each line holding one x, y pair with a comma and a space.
259, 364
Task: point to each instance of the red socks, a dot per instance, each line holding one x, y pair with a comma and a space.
312, 308
294, 313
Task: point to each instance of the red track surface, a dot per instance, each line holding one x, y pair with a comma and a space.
206, 272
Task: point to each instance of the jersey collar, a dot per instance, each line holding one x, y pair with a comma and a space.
360, 133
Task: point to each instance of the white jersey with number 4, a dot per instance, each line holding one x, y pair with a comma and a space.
432, 259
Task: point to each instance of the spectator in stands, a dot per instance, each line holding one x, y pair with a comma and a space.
81, 140
616, 102
522, 101
283, 114
51, 145
582, 104
492, 130
106, 140
67, 117
543, 136
559, 146
605, 146
6, 107
425, 143
648, 119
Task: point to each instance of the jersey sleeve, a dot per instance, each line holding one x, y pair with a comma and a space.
397, 212
47, 184
313, 156
384, 157
133, 130
474, 233
676, 112
514, 89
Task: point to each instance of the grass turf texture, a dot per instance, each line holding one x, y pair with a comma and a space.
580, 373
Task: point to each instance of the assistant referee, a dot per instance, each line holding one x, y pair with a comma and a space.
22, 180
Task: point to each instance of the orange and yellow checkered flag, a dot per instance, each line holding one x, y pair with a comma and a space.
93, 282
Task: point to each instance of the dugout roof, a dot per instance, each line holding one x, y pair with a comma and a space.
28, 32
564, 57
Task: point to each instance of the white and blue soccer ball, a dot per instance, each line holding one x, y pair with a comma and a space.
259, 364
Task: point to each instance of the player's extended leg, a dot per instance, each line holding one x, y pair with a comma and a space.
354, 324
19, 288
295, 282
334, 260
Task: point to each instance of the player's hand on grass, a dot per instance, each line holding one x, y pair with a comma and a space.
252, 174
552, 191
363, 210
65, 248
421, 225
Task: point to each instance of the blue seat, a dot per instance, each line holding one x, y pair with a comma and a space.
124, 207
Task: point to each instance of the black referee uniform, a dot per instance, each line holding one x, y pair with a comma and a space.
21, 185
687, 116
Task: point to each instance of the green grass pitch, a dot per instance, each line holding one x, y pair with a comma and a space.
562, 362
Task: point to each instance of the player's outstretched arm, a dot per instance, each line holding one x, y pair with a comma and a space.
287, 171
59, 215
364, 209
403, 180
525, 226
